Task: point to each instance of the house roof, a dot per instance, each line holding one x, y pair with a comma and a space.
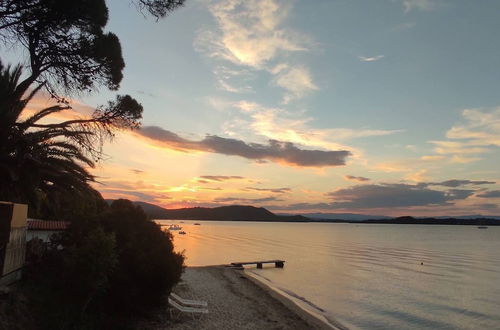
34, 224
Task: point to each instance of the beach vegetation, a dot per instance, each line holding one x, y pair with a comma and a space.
113, 262
104, 272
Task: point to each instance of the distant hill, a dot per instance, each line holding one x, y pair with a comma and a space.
473, 216
222, 213
343, 216
407, 220
252, 213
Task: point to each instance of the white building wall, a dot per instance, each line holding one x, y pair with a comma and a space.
44, 235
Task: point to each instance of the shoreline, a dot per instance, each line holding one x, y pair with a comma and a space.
236, 300
316, 320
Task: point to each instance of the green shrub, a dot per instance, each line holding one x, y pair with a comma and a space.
102, 271
148, 267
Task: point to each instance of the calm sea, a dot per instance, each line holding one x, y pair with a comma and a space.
366, 276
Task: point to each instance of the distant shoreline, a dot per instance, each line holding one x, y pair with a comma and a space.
395, 221
252, 213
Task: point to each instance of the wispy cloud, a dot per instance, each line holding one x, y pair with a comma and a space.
276, 151
279, 124
410, 5
370, 59
479, 133
251, 35
272, 190
418, 176
136, 190
298, 83
234, 80
246, 200
356, 178
220, 178
249, 32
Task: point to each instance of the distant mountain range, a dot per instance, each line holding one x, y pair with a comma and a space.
362, 217
343, 216
252, 213
223, 213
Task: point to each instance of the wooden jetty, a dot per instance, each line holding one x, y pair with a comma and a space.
277, 263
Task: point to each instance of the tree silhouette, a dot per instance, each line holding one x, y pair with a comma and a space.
50, 158
65, 41
67, 53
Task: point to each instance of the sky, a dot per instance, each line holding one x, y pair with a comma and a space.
388, 107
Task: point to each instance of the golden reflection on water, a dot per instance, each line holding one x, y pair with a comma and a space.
367, 276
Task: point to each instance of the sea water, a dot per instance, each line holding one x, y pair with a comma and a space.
366, 276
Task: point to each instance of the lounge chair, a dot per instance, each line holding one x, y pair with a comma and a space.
186, 309
188, 302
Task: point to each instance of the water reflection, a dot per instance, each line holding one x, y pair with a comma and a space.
368, 276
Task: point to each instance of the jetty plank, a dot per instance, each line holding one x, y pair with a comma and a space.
277, 263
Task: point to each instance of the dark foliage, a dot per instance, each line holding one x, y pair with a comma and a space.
159, 8
65, 41
65, 283
44, 162
148, 267
61, 206
102, 272
66, 51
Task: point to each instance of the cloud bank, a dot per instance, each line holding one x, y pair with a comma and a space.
490, 194
383, 196
457, 183
393, 195
276, 151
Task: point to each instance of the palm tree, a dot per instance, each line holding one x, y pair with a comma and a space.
37, 161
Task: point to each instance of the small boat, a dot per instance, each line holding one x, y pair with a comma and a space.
482, 227
174, 227
182, 232
197, 224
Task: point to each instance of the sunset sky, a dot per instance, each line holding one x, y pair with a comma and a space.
387, 107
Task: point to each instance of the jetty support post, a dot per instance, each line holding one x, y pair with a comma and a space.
259, 265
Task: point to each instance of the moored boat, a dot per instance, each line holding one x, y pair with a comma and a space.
174, 227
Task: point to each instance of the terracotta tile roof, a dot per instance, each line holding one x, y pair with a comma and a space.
47, 225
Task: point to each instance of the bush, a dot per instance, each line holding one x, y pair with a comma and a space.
115, 265
64, 284
148, 267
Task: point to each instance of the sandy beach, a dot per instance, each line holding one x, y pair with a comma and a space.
235, 301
